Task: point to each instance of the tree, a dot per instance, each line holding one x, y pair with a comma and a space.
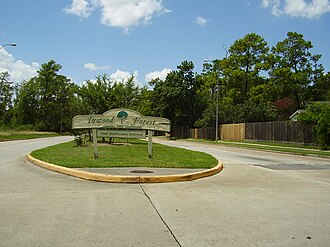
175, 97
54, 94
318, 113
294, 69
27, 103
125, 94
285, 108
237, 80
211, 92
47, 100
144, 102
321, 88
104, 94
248, 57
97, 94
6, 94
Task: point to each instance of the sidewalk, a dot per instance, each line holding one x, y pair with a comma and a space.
273, 146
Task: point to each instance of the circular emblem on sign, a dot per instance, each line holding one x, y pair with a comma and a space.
122, 115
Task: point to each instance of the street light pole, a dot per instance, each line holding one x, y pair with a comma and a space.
217, 105
9, 44
217, 114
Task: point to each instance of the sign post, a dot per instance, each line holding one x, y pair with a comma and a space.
96, 153
150, 151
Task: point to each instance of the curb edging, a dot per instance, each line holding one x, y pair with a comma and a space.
99, 177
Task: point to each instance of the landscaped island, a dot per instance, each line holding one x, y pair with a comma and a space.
124, 154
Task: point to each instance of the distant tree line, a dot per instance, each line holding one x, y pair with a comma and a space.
253, 82
49, 101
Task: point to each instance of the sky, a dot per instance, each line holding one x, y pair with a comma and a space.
146, 38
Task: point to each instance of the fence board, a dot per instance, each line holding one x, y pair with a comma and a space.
200, 133
280, 131
232, 132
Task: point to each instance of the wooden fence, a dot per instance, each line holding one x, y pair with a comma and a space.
200, 133
234, 132
279, 131
203, 133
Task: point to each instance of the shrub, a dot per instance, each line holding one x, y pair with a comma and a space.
79, 140
318, 113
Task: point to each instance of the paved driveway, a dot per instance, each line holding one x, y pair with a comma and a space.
250, 203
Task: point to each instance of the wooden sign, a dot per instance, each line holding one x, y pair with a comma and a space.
137, 134
128, 124
121, 119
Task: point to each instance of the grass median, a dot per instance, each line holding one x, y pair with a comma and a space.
124, 154
11, 135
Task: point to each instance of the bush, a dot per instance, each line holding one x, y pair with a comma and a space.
78, 140
318, 113
80, 137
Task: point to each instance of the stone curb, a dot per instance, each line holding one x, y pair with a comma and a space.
126, 179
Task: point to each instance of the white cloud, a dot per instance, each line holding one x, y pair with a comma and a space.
84, 83
122, 76
81, 8
298, 8
200, 21
93, 67
18, 70
265, 3
119, 13
157, 74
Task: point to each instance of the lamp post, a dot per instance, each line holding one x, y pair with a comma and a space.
217, 104
217, 114
9, 44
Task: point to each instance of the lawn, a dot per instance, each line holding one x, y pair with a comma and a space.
124, 154
10, 135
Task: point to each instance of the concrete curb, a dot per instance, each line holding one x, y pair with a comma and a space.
126, 179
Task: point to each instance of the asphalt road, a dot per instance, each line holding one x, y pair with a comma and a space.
259, 199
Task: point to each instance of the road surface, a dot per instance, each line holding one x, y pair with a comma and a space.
259, 199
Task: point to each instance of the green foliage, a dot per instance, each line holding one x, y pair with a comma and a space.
253, 82
321, 88
6, 93
318, 113
176, 97
104, 94
96, 94
27, 103
247, 59
294, 68
78, 140
47, 101
144, 102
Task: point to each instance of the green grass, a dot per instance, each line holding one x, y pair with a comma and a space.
272, 146
10, 135
277, 144
133, 154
